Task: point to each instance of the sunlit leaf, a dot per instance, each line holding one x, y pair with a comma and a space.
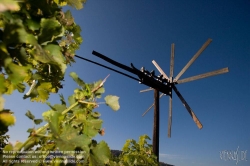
69, 140
77, 79
1, 102
100, 154
8, 5
38, 121
16, 73
113, 102
92, 127
30, 115
50, 29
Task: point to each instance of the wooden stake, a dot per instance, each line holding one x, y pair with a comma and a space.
156, 124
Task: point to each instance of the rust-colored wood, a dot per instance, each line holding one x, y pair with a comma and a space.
193, 59
208, 74
156, 127
196, 120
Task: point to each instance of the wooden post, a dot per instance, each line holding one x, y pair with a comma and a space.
156, 124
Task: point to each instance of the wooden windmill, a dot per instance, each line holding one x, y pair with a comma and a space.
162, 83
174, 81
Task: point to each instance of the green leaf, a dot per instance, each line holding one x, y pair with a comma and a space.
92, 127
100, 154
1, 102
77, 79
2, 84
54, 118
95, 114
15, 33
50, 29
113, 102
70, 139
8, 148
41, 91
30, 115
62, 99
8, 5
16, 73
76, 3
33, 24
38, 121
54, 51
17, 145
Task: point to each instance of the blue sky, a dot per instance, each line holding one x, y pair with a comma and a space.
142, 31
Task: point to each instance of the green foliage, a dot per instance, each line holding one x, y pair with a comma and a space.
37, 42
134, 153
70, 128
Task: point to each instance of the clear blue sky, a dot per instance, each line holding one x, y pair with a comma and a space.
142, 31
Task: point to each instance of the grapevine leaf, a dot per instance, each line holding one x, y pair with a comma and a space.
8, 5
77, 79
92, 127
1, 102
60, 2
54, 51
30, 115
7, 118
8, 148
20, 87
30, 130
57, 107
50, 29
17, 145
38, 121
16, 73
32, 24
71, 99
54, 118
2, 84
41, 91
99, 154
70, 139
113, 102
15, 33
76, 3
62, 99
95, 114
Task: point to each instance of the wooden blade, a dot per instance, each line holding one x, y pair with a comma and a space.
193, 59
196, 120
146, 90
170, 96
160, 70
209, 74
172, 63
151, 106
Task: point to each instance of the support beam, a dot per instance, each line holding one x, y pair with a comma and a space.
156, 125
170, 96
193, 59
151, 106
